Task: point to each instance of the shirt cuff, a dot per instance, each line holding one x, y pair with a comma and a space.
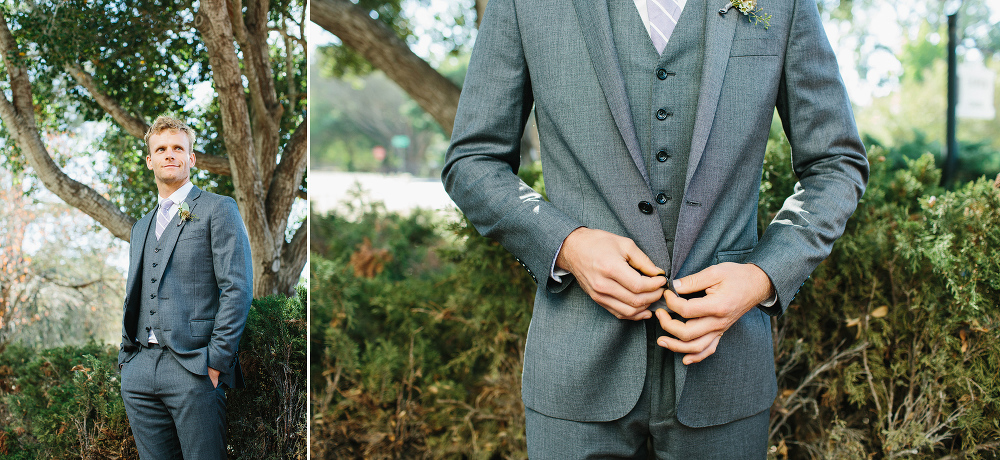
557, 273
770, 300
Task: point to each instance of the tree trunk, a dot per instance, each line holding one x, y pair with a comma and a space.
386, 51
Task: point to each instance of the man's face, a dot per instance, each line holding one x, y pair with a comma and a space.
170, 157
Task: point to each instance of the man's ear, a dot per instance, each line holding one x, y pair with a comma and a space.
193, 159
149, 162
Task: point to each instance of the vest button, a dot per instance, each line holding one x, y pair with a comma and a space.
662, 199
158, 249
662, 156
661, 74
646, 207
153, 280
662, 114
152, 296
154, 264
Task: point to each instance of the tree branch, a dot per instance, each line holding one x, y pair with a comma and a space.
19, 116
266, 110
287, 177
386, 51
135, 126
294, 258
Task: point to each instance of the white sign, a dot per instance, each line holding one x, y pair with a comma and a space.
975, 91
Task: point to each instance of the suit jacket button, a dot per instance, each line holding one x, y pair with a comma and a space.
646, 207
661, 74
662, 114
662, 198
662, 156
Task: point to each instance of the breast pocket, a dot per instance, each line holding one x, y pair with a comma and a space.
202, 327
189, 233
737, 256
755, 47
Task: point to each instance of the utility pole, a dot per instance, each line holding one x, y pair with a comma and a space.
951, 157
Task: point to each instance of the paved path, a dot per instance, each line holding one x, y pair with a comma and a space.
399, 192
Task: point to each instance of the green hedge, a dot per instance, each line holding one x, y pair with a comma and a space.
890, 350
66, 402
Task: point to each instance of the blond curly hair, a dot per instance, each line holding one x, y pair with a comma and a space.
164, 123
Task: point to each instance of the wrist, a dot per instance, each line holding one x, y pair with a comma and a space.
763, 282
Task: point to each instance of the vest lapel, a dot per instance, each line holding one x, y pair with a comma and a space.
596, 24
168, 240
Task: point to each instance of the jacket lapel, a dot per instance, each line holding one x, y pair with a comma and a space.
595, 20
171, 242
136, 248
719, 32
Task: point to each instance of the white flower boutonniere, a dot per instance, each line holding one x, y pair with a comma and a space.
185, 212
750, 9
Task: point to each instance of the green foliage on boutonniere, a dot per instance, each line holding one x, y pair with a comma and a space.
185, 212
750, 9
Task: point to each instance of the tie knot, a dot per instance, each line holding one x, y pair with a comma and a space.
165, 206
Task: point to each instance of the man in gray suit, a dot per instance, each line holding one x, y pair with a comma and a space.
188, 294
653, 118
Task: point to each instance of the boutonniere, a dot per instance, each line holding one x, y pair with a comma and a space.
750, 9
185, 211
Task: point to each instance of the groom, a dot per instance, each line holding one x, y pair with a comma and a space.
188, 294
653, 120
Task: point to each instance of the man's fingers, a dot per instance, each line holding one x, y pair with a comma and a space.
609, 288
690, 330
691, 308
638, 283
639, 260
695, 350
624, 311
698, 281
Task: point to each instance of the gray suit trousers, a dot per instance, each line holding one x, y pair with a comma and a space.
650, 429
174, 413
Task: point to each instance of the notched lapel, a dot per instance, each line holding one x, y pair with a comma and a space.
595, 21
170, 243
135, 250
719, 32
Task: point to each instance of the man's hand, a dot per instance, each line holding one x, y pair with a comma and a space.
214, 375
731, 290
610, 270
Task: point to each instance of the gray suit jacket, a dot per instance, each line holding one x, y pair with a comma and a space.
205, 288
580, 362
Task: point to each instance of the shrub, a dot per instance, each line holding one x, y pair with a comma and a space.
890, 349
66, 402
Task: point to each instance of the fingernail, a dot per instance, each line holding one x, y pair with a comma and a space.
677, 284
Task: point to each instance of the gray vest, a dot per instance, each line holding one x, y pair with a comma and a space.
663, 95
153, 256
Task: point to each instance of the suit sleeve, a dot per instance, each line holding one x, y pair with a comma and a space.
234, 276
126, 345
828, 158
483, 159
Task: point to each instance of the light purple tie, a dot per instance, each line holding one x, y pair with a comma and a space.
663, 16
163, 217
